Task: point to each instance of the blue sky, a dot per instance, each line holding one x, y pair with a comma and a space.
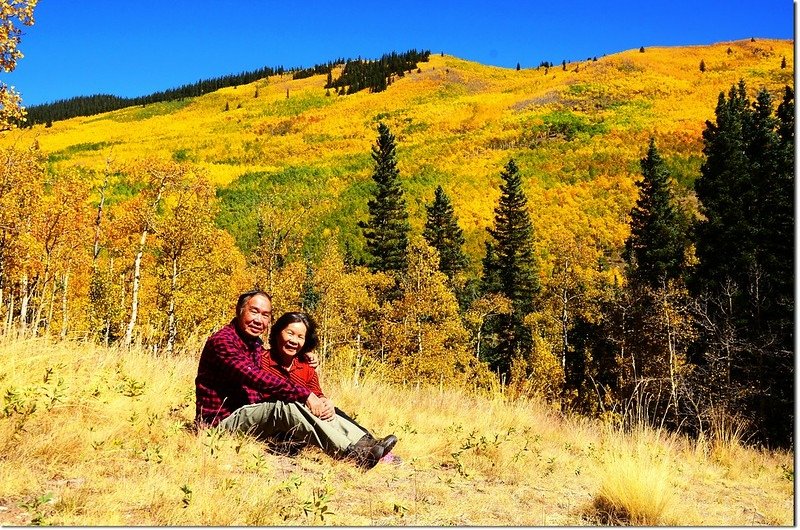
136, 47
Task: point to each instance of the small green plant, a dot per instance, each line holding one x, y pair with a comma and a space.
403, 428
54, 394
257, 463
34, 507
317, 505
187, 496
152, 453
213, 440
399, 509
19, 404
788, 472
130, 387
229, 484
152, 418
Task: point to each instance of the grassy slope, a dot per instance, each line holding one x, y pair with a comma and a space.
108, 444
457, 123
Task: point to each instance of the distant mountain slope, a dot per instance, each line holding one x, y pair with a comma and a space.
577, 132
355, 75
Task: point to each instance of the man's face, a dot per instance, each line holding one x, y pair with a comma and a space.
256, 316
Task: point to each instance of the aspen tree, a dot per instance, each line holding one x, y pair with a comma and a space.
421, 332
13, 15
158, 177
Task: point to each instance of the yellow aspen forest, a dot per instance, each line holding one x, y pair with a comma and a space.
141, 225
577, 134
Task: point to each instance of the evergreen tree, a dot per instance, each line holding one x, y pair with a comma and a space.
725, 239
653, 304
490, 280
509, 269
745, 250
655, 249
514, 266
443, 233
387, 230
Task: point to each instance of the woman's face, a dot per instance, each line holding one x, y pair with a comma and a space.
291, 339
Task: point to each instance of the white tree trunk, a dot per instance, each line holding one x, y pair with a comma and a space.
10, 315
38, 318
137, 273
64, 319
137, 266
23, 310
172, 326
50, 311
99, 218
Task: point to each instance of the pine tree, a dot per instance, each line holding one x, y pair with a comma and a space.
509, 269
745, 256
443, 233
514, 265
725, 238
655, 249
387, 230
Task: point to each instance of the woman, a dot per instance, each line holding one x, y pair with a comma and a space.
291, 338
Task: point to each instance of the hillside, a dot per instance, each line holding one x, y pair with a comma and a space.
94, 436
577, 133
140, 227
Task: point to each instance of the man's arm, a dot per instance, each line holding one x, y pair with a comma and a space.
235, 365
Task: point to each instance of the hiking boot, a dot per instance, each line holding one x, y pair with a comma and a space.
387, 443
365, 441
366, 457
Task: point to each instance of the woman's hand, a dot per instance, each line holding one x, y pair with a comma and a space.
328, 402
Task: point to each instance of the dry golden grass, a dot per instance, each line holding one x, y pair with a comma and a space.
109, 443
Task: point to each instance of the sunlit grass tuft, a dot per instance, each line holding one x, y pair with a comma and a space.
636, 485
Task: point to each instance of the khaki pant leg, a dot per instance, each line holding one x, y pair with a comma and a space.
277, 418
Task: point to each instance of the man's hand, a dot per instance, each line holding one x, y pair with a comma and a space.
313, 359
321, 408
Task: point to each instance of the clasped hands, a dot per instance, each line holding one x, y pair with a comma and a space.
320, 407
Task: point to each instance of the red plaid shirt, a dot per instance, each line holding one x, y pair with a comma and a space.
230, 376
301, 373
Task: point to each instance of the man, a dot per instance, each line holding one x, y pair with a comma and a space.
234, 392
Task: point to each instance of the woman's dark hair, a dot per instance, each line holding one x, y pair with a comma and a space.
244, 297
290, 318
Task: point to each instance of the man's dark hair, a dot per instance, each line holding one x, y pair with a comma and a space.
290, 318
244, 297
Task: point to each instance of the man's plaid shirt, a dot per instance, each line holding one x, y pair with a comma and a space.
230, 376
